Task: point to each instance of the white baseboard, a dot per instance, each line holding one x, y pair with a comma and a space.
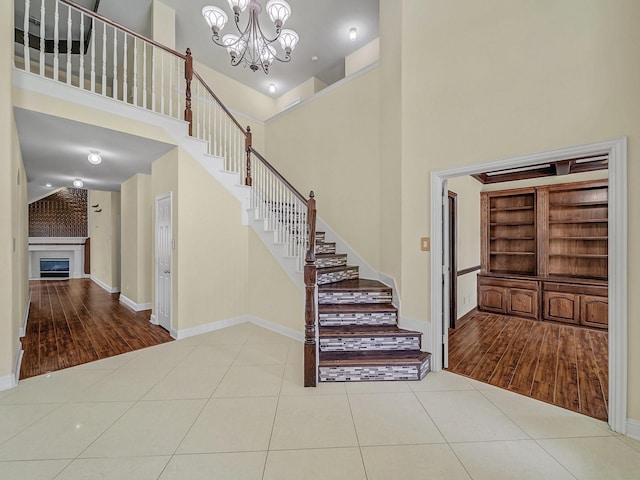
277, 328
633, 428
16, 368
230, 322
208, 327
23, 328
11, 380
153, 319
136, 307
108, 288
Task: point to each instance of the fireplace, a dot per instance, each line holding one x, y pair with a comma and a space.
54, 268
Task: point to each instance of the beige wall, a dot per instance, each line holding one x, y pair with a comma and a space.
136, 239
104, 231
363, 57
13, 213
536, 76
272, 294
330, 145
303, 91
212, 247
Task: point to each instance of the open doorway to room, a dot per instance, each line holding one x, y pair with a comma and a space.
514, 316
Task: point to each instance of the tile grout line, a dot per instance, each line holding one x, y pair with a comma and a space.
355, 430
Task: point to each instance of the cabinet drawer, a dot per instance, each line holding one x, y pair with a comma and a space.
594, 311
560, 307
492, 299
522, 303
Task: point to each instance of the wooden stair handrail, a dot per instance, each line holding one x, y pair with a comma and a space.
311, 291
272, 169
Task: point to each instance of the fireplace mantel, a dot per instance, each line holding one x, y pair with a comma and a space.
57, 247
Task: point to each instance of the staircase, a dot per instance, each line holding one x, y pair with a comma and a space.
359, 338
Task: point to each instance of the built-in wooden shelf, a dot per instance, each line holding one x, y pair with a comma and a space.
512, 253
556, 265
511, 209
497, 224
579, 220
605, 237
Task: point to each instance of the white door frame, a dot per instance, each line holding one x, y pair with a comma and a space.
617, 151
159, 198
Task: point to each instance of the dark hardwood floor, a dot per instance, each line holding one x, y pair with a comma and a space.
555, 363
75, 321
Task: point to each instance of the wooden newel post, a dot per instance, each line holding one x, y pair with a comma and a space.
188, 76
247, 148
310, 311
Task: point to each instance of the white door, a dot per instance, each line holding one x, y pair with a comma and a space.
164, 246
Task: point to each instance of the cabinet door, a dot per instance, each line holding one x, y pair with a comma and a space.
522, 303
594, 311
561, 307
493, 299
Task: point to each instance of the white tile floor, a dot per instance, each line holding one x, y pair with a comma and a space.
230, 405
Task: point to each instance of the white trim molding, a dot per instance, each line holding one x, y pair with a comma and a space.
136, 307
633, 428
23, 328
108, 288
277, 328
616, 149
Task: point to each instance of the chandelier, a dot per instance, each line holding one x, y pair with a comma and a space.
252, 47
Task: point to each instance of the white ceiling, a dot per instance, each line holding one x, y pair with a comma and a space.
323, 26
55, 150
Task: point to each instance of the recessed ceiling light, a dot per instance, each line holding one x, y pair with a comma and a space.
314, 58
353, 34
78, 183
272, 88
94, 157
48, 185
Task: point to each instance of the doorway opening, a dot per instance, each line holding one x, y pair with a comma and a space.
617, 269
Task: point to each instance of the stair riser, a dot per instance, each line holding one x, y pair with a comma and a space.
339, 298
360, 344
374, 373
325, 248
331, 262
332, 277
359, 319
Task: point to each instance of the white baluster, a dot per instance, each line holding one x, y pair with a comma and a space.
56, 42
42, 45
171, 60
114, 83
81, 74
135, 71
104, 59
162, 81
144, 75
69, 44
93, 56
125, 65
27, 50
153, 79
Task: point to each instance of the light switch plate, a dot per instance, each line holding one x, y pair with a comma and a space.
425, 244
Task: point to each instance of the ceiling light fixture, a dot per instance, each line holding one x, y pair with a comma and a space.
252, 47
353, 34
78, 183
272, 88
94, 157
48, 185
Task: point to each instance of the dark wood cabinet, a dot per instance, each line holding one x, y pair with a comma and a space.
544, 253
